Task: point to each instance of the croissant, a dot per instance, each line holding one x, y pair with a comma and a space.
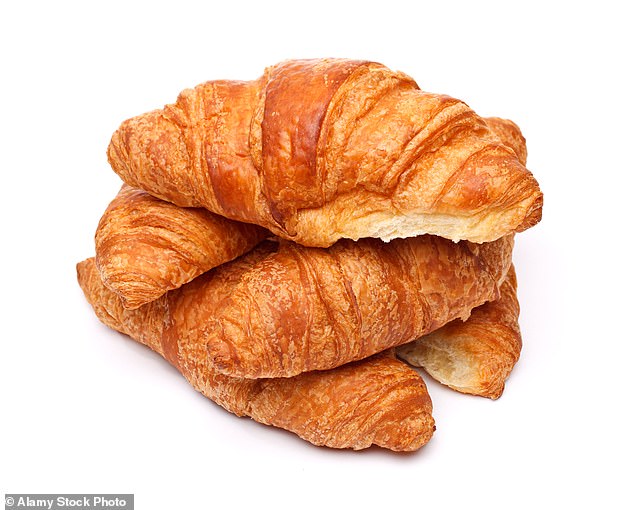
145, 246
318, 150
300, 309
378, 400
475, 356
295, 309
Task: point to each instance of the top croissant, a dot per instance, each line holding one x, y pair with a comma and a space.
318, 150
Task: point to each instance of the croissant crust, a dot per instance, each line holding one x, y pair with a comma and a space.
145, 246
318, 150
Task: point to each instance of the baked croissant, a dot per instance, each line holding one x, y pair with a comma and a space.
318, 150
379, 400
299, 309
295, 309
145, 246
475, 356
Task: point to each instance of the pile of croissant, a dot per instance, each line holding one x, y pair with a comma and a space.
286, 242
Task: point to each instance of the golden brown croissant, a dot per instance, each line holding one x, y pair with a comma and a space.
297, 309
318, 150
475, 356
378, 400
145, 246
301, 309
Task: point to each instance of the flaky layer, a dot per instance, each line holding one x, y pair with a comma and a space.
145, 246
318, 150
374, 401
475, 356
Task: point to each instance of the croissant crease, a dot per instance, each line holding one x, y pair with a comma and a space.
319, 150
475, 356
145, 246
378, 400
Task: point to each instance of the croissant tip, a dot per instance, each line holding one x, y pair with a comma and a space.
117, 152
427, 429
82, 269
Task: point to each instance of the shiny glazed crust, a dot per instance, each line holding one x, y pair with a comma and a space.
475, 356
318, 150
145, 246
378, 400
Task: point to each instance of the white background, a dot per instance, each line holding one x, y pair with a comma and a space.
85, 410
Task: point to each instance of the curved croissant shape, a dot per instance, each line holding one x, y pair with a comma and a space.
475, 356
293, 309
300, 309
378, 400
318, 150
145, 246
